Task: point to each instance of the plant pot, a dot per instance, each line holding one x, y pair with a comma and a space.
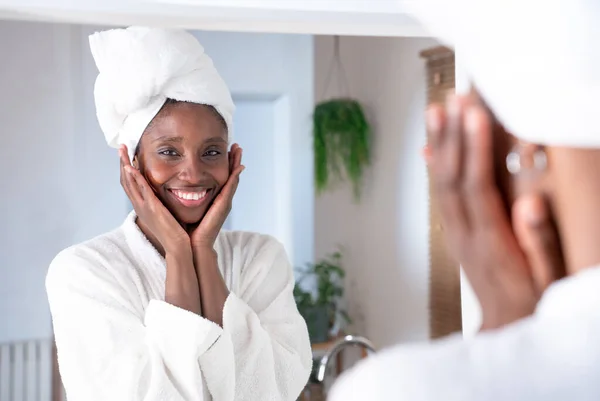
317, 320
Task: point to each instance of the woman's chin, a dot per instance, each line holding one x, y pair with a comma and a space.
189, 219
186, 216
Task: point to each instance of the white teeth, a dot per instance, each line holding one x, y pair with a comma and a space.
190, 195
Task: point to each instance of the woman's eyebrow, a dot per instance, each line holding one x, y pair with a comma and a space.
165, 138
216, 139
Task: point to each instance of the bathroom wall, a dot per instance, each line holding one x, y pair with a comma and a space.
385, 236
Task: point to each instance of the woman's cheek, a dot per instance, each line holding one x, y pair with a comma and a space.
221, 171
156, 174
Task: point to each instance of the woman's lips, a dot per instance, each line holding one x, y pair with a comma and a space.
190, 198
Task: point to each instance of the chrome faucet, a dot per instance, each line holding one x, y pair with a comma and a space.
348, 340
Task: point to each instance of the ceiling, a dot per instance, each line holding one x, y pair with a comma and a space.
342, 17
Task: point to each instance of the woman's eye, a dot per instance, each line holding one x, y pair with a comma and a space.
168, 152
212, 153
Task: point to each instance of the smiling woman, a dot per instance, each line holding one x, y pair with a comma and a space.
168, 306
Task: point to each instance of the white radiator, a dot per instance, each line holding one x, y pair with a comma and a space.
26, 371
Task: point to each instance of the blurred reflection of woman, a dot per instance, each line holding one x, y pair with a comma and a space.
536, 68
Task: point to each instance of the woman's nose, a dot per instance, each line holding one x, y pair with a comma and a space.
192, 170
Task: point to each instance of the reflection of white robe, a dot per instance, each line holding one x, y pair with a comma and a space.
552, 355
119, 341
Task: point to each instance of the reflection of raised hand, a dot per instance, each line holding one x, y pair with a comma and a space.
206, 233
149, 209
508, 272
181, 287
210, 281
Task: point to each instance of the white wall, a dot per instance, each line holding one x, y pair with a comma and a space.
40, 195
385, 237
255, 200
60, 179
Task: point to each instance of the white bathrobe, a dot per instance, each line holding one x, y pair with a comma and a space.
553, 355
118, 340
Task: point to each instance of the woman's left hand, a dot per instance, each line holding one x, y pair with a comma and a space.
205, 235
508, 270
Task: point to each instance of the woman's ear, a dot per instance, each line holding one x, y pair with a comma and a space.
135, 163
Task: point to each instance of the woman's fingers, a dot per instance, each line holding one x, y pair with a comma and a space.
235, 181
538, 237
238, 160
230, 157
137, 194
143, 188
122, 169
436, 123
220, 208
442, 132
482, 198
507, 272
479, 173
125, 176
234, 157
232, 183
453, 141
217, 213
124, 156
128, 180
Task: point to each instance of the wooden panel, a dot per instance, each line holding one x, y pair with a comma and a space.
445, 315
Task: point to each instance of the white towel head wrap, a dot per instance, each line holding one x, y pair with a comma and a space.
139, 68
535, 63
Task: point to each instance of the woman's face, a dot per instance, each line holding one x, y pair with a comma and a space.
184, 156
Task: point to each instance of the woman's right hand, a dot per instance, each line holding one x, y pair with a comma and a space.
154, 215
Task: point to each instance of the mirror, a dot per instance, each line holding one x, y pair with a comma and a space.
64, 180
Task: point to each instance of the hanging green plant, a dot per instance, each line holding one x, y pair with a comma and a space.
341, 137
342, 143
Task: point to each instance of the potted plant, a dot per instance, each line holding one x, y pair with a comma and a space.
341, 134
321, 308
341, 142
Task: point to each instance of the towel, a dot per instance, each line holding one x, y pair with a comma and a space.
535, 63
139, 68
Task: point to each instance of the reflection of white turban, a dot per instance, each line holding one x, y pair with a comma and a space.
140, 68
536, 63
